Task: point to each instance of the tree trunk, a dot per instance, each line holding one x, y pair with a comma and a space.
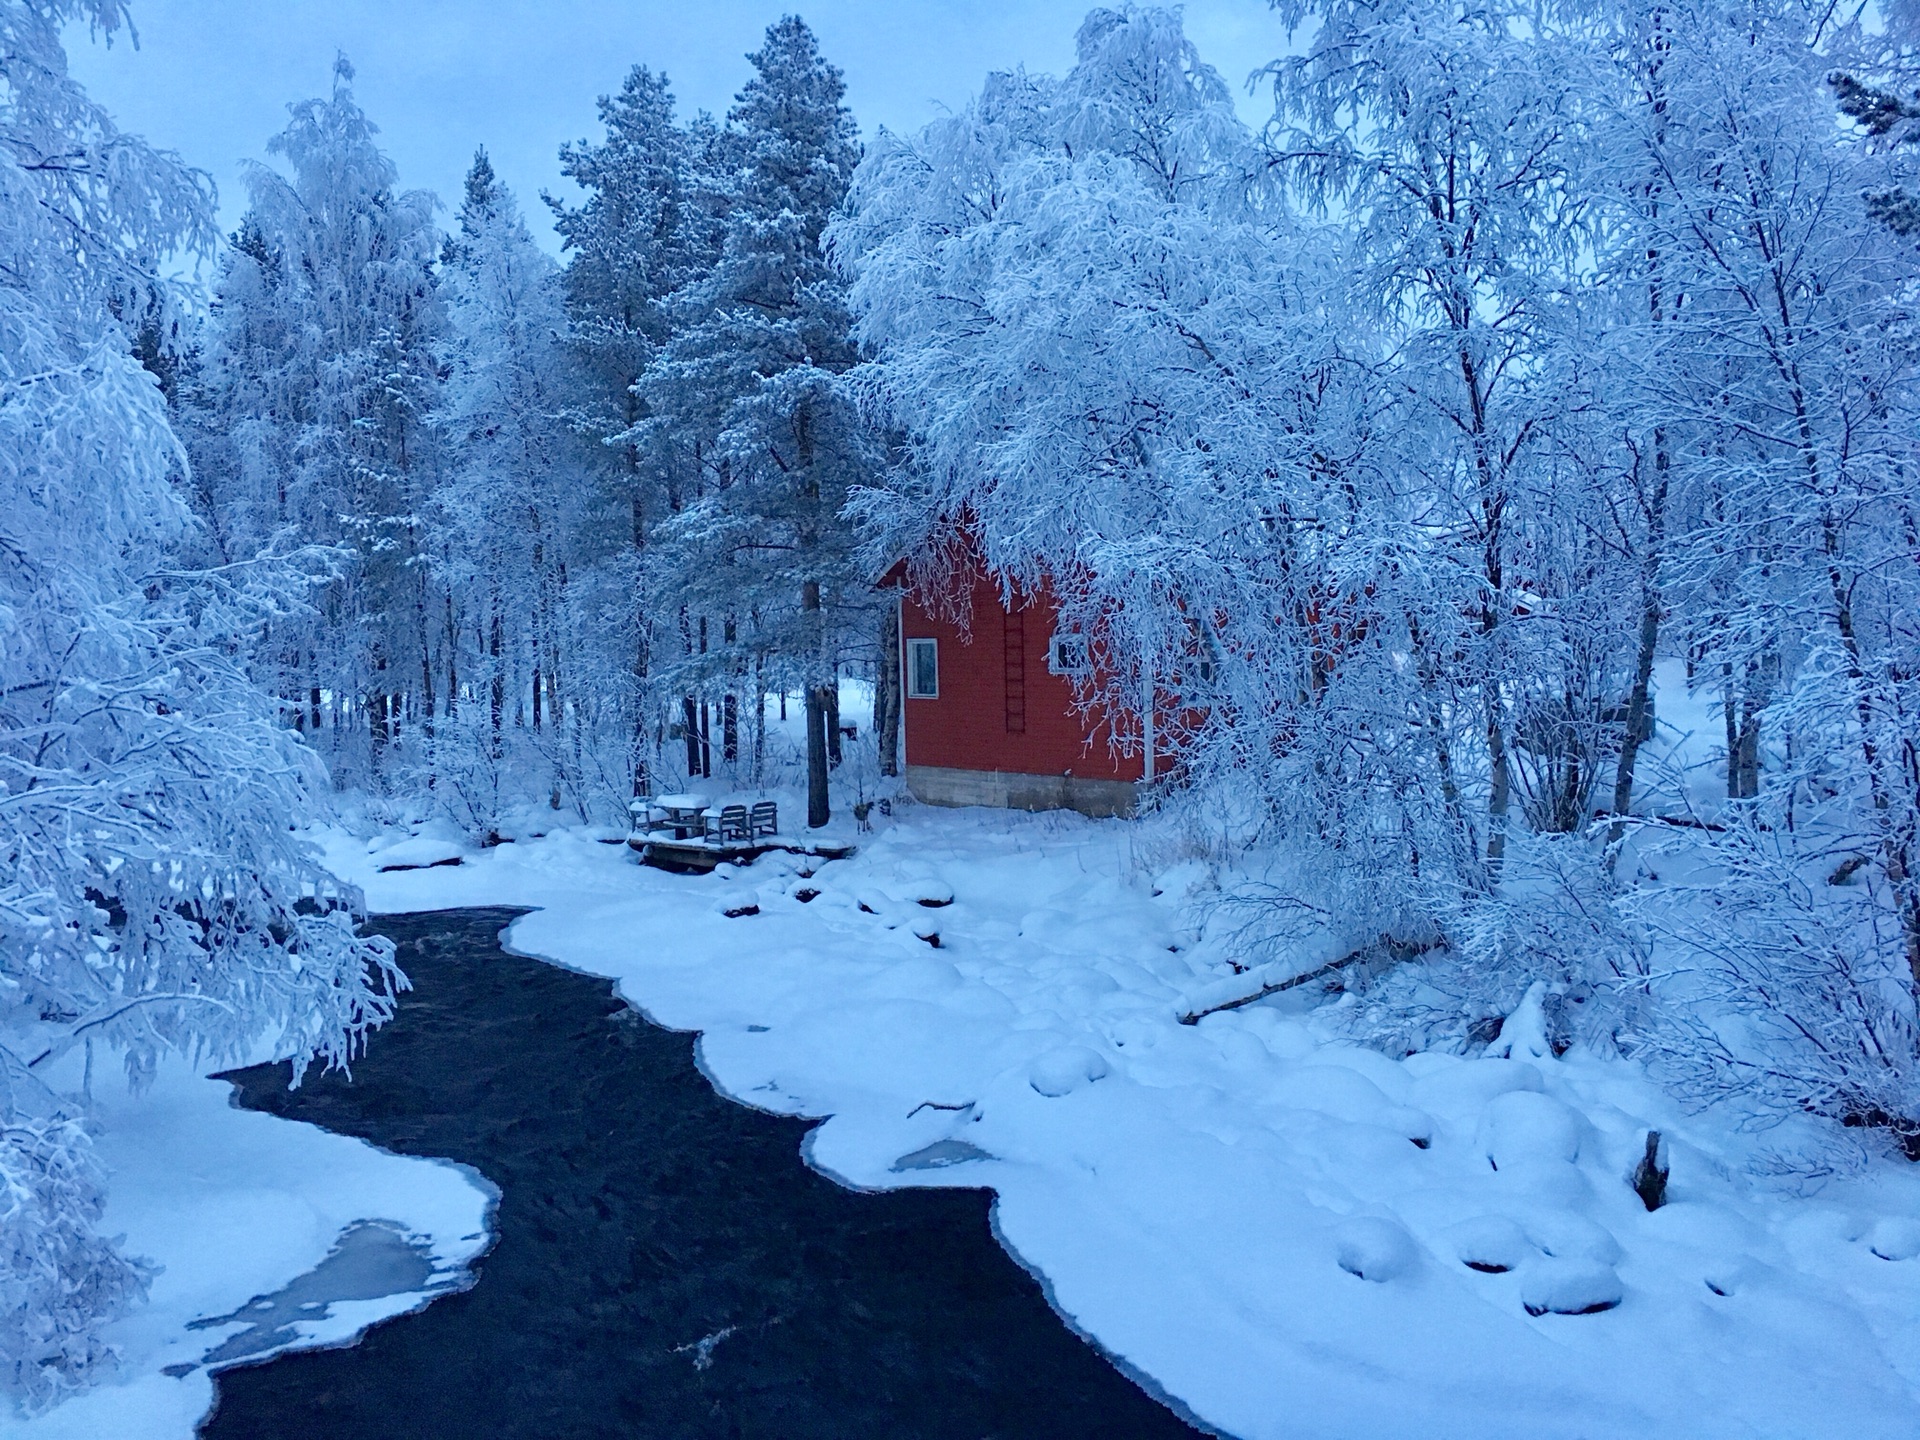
1499, 792
730, 729
818, 812
1732, 731
886, 693
690, 724
833, 720
759, 728
453, 662
1639, 715
637, 748
497, 696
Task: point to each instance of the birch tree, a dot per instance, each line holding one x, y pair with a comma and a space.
152, 896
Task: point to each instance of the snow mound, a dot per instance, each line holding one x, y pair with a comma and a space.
1523, 1127
1569, 1287
422, 852
1374, 1249
1491, 1244
1570, 1236
1062, 1071
1895, 1238
1463, 1087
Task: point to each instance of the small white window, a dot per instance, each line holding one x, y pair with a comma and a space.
1068, 655
923, 670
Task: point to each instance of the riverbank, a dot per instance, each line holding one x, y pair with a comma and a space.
1199, 1198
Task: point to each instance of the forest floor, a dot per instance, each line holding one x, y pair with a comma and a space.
1287, 1234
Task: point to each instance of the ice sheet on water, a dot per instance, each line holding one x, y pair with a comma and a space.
372, 1260
939, 1155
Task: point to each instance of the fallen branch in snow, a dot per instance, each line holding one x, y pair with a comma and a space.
1395, 949
1847, 869
1685, 822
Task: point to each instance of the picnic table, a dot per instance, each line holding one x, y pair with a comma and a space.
684, 814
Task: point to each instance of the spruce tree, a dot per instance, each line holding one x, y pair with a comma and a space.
629, 246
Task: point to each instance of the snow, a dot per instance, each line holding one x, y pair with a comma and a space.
1569, 1287
437, 845
1283, 1232
1375, 1249
1063, 1071
234, 1206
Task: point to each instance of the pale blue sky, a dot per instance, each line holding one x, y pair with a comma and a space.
212, 78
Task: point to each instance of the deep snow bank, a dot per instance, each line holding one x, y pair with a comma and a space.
1291, 1235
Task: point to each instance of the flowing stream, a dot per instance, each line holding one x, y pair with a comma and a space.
666, 1265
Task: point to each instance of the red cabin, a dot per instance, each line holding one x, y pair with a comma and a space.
989, 708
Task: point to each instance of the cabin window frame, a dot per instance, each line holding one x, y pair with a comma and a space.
918, 646
1064, 640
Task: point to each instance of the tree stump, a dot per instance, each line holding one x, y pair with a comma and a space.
1649, 1178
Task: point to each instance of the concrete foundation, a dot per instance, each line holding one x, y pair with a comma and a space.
1009, 790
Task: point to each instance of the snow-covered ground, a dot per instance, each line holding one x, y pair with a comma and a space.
1274, 1228
1243, 1211
234, 1207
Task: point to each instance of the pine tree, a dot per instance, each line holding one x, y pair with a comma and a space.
629, 246
750, 381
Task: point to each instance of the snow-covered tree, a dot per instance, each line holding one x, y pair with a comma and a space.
1787, 368
152, 897
316, 397
760, 553
636, 239
535, 690
1128, 374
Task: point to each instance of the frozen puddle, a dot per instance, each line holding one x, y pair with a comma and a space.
372, 1260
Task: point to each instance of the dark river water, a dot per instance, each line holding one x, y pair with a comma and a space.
666, 1266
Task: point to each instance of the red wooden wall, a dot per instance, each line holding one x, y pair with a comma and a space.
1000, 707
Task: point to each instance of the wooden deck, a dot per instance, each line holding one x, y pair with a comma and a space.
697, 857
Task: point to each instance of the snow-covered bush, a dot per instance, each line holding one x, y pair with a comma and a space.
58, 1278
1786, 993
